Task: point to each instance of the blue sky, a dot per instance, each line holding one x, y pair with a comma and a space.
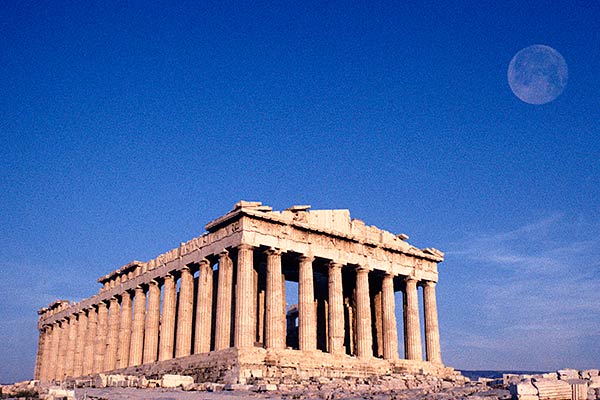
124, 128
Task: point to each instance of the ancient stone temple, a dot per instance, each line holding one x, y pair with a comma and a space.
215, 307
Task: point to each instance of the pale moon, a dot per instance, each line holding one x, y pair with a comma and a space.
537, 74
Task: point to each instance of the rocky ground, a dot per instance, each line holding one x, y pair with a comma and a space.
472, 392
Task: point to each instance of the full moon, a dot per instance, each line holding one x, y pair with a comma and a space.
537, 74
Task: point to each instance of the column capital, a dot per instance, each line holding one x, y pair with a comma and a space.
205, 262
334, 265
306, 258
152, 282
428, 283
224, 253
411, 280
169, 276
362, 269
245, 246
273, 251
138, 289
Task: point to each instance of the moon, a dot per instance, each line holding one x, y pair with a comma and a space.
537, 74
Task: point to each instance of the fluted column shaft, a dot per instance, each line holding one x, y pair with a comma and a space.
124, 331
112, 339
51, 373
336, 309
184, 314
152, 323
101, 330
71, 345
46, 350
432, 331
388, 311
224, 301
167, 328
82, 322
274, 312
307, 323
62, 349
90, 341
39, 357
412, 330
364, 337
204, 308
137, 328
244, 306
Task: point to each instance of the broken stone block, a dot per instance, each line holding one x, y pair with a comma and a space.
517, 390
173, 381
550, 389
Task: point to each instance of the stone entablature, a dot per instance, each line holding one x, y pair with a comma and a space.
347, 273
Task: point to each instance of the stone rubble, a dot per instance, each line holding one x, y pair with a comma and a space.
562, 385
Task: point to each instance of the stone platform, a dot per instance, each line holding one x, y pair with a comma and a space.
249, 365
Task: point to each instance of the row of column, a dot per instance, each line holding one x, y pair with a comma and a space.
106, 336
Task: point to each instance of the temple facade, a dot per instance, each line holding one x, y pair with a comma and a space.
215, 307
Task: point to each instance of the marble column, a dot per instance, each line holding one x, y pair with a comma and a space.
307, 323
336, 309
90, 340
364, 337
152, 323
244, 303
54, 351
112, 338
204, 308
45, 354
124, 331
432, 331
274, 311
388, 312
39, 357
100, 344
183, 342
71, 344
412, 329
224, 302
136, 347
82, 322
167, 327
63, 341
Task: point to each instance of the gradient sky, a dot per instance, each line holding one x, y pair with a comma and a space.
125, 128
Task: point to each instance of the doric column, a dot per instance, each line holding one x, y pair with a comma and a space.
62, 349
136, 347
224, 301
336, 309
204, 308
39, 357
71, 345
183, 341
152, 323
45, 353
364, 337
112, 338
54, 351
100, 344
82, 322
412, 330
388, 311
307, 323
167, 328
90, 340
244, 307
274, 312
124, 331
432, 331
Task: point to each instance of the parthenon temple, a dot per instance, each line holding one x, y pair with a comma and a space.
216, 306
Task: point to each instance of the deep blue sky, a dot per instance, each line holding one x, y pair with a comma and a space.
124, 128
